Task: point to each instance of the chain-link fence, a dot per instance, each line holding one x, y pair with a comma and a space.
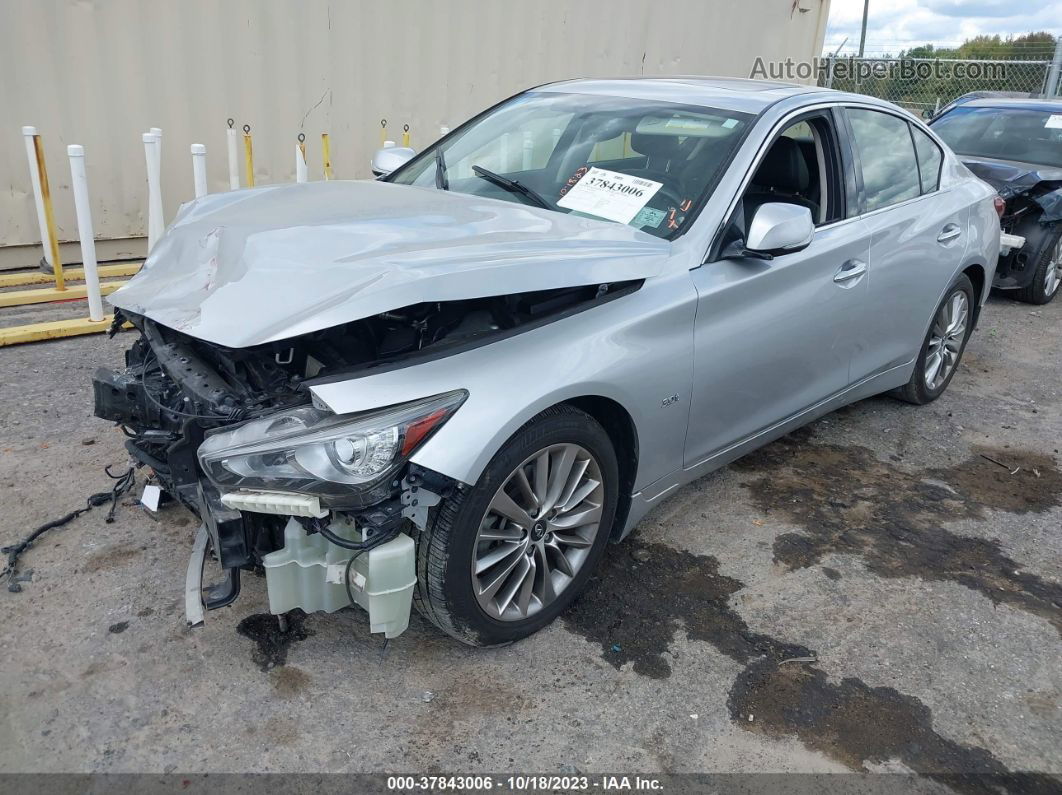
927, 84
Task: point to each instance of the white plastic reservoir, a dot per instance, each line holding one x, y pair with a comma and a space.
308, 573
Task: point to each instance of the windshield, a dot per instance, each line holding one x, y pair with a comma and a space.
633, 161
1029, 136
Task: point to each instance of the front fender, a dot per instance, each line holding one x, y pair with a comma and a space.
636, 350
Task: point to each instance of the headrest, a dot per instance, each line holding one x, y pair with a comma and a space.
657, 147
783, 168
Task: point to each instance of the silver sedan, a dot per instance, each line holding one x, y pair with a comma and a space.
452, 386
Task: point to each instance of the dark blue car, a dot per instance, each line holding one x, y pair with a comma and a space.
1015, 145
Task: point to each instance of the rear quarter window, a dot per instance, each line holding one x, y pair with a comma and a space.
930, 159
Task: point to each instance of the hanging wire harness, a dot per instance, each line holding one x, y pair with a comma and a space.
122, 484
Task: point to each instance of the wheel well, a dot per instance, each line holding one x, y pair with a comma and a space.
619, 426
976, 274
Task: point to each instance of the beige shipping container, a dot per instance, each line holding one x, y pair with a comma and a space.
102, 73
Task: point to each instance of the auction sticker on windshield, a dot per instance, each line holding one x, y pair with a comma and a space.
610, 194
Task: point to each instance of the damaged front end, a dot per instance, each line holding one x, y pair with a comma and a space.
1032, 211
328, 506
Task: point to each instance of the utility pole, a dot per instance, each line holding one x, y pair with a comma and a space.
1052, 89
863, 33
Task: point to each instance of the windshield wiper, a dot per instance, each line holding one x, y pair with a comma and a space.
442, 182
511, 185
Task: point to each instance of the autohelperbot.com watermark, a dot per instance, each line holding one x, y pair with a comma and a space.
863, 69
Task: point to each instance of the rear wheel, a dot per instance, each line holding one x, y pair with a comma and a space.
1048, 274
943, 346
502, 559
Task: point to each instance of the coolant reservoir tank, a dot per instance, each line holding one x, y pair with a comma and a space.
308, 573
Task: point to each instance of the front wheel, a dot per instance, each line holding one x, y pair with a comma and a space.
943, 346
502, 559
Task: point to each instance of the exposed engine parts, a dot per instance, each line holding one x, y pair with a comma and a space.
176, 388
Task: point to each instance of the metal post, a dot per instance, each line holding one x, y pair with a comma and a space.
301, 174
199, 175
28, 134
79, 184
863, 32
49, 214
154, 223
405, 135
1053, 89
833, 60
326, 156
234, 158
248, 156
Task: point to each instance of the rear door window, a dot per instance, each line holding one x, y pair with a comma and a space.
886, 157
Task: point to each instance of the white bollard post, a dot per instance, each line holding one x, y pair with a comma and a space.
38, 198
300, 164
154, 224
79, 184
199, 177
157, 132
234, 158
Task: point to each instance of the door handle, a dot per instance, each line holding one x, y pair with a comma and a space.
949, 232
852, 269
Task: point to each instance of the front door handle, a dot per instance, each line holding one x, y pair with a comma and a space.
852, 269
948, 233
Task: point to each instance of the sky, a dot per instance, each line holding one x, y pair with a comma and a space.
894, 25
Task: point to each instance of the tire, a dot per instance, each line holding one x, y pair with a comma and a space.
919, 390
1048, 274
450, 545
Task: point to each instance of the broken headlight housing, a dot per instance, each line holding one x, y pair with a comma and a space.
337, 457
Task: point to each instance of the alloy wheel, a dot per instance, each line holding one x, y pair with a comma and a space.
946, 339
1053, 275
537, 532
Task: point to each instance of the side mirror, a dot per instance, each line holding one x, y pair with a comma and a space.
384, 161
927, 113
779, 228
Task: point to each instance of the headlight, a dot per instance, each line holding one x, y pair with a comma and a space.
313, 451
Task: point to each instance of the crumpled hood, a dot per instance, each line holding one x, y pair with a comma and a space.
265, 264
1000, 173
1041, 184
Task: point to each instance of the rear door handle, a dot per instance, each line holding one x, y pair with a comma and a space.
949, 232
852, 269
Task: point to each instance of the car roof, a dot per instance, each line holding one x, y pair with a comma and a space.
1010, 103
725, 93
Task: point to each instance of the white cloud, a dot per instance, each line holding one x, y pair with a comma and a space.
894, 25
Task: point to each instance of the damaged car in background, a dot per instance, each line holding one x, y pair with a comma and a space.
1015, 145
451, 387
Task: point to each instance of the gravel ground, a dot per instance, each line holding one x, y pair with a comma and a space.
917, 584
